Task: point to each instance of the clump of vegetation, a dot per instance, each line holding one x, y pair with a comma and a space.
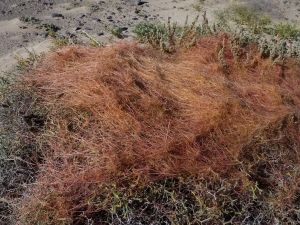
287, 30
29, 19
168, 37
153, 144
144, 29
59, 41
26, 64
52, 33
199, 5
19, 153
127, 135
41, 25
117, 32
48, 27
264, 6
252, 20
244, 16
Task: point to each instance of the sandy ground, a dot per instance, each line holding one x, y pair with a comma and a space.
97, 18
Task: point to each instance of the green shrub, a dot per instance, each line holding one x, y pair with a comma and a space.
167, 37
244, 16
288, 30
117, 32
144, 30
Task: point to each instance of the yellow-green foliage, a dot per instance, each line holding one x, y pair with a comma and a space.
287, 30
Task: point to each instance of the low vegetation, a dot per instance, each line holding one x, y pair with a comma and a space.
167, 38
198, 6
242, 15
266, 6
117, 32
254, 20
199, 127
287, 30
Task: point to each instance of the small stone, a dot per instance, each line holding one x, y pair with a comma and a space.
109, 17
46, 34
53, 15
80, 23
96, 19
135, 2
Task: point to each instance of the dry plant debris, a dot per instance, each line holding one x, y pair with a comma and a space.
135, 136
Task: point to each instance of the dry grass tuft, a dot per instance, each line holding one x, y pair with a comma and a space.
123, 117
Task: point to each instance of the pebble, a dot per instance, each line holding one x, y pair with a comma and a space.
53, 15
135, 2
45, 34
80, 23
96, 19
123, 28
